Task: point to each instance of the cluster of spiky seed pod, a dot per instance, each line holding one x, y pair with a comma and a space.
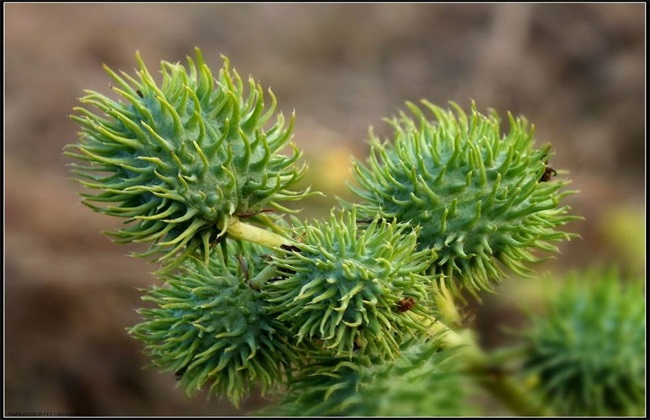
181, 161
341, 310
346, 289
586, 353
478, 197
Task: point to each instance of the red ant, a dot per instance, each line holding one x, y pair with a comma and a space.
548, 174
405, 304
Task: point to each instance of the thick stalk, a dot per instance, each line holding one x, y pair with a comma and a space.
236, 229
486, 369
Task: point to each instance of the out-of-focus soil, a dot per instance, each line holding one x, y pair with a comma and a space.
575, 70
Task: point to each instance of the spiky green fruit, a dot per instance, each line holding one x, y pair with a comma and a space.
356, 287
424, 381
182, 160
480, 198
587, 351
208, 324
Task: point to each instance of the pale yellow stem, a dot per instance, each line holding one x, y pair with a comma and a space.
236, 229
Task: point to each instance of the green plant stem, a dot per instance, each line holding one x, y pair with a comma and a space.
236, 229
489, 372
511, 394
263, 276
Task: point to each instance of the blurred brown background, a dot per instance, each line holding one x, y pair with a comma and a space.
575, 70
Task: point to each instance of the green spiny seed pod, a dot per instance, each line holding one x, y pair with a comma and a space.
209, 324
354, 286
587, 353
424, 381
480, 198
182, 161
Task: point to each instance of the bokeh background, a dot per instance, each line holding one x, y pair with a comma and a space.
575, 70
